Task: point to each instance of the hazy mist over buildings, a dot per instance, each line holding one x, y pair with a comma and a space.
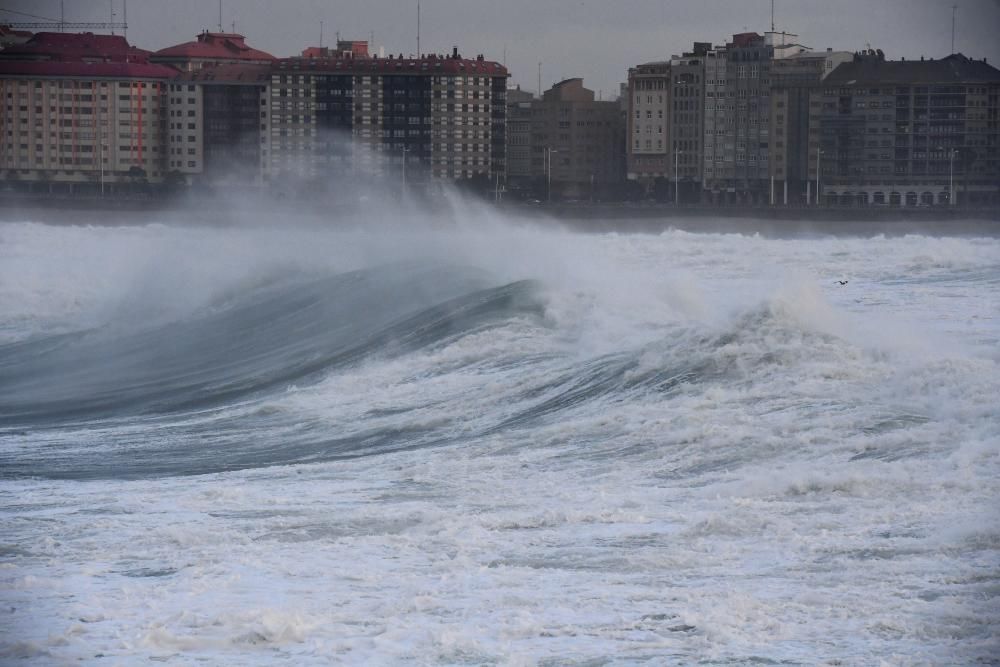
572, 38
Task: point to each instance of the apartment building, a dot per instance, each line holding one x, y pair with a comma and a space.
648, 143
737, 120
217, 121
566, 144
217, 113
436, 117
909, 133
795, 120
81, 112
525, 160
687, 121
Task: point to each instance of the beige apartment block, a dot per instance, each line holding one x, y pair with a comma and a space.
81, 112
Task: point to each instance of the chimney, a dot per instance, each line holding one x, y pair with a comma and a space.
454, 53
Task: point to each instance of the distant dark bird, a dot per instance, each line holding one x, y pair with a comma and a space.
842, 282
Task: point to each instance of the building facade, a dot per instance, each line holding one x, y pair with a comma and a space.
648, 144
81, 112
737, 120
795, 121
436, 117
687, 122
217, 120
525, 164
909, 133
569, 144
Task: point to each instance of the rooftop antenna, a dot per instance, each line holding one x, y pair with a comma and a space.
125, 18
321, 34
220, 15
954, 11
62, 15
234, 26
539, 79
772, 15
418, 28
111, 15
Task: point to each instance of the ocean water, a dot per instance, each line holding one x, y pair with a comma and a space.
495, 444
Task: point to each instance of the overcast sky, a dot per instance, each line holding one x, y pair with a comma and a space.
594, 39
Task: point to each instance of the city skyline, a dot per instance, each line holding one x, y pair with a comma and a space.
578, 38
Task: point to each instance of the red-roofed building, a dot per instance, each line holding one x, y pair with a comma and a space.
75, 47
81, 111
210, 49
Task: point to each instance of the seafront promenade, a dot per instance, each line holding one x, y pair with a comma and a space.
594, 217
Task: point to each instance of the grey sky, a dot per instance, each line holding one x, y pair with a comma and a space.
597, 40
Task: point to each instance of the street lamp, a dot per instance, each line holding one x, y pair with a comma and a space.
677, 178
100, 152
951, 178
548, 173
819, 152
951, 174
405, 151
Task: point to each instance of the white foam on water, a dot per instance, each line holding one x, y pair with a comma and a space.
821, 487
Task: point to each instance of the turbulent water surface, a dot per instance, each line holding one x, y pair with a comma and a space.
497, 445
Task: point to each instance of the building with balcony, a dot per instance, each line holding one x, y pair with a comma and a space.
648, 145
81, 112
795, 121
435, 117
908, 133
217, 121
737, 120
525, 160
687, 121
665, 121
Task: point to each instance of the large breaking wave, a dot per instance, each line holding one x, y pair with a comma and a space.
228, 385
263, 340
243, 446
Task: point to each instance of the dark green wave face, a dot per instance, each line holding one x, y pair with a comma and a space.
258, 342
242, 350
